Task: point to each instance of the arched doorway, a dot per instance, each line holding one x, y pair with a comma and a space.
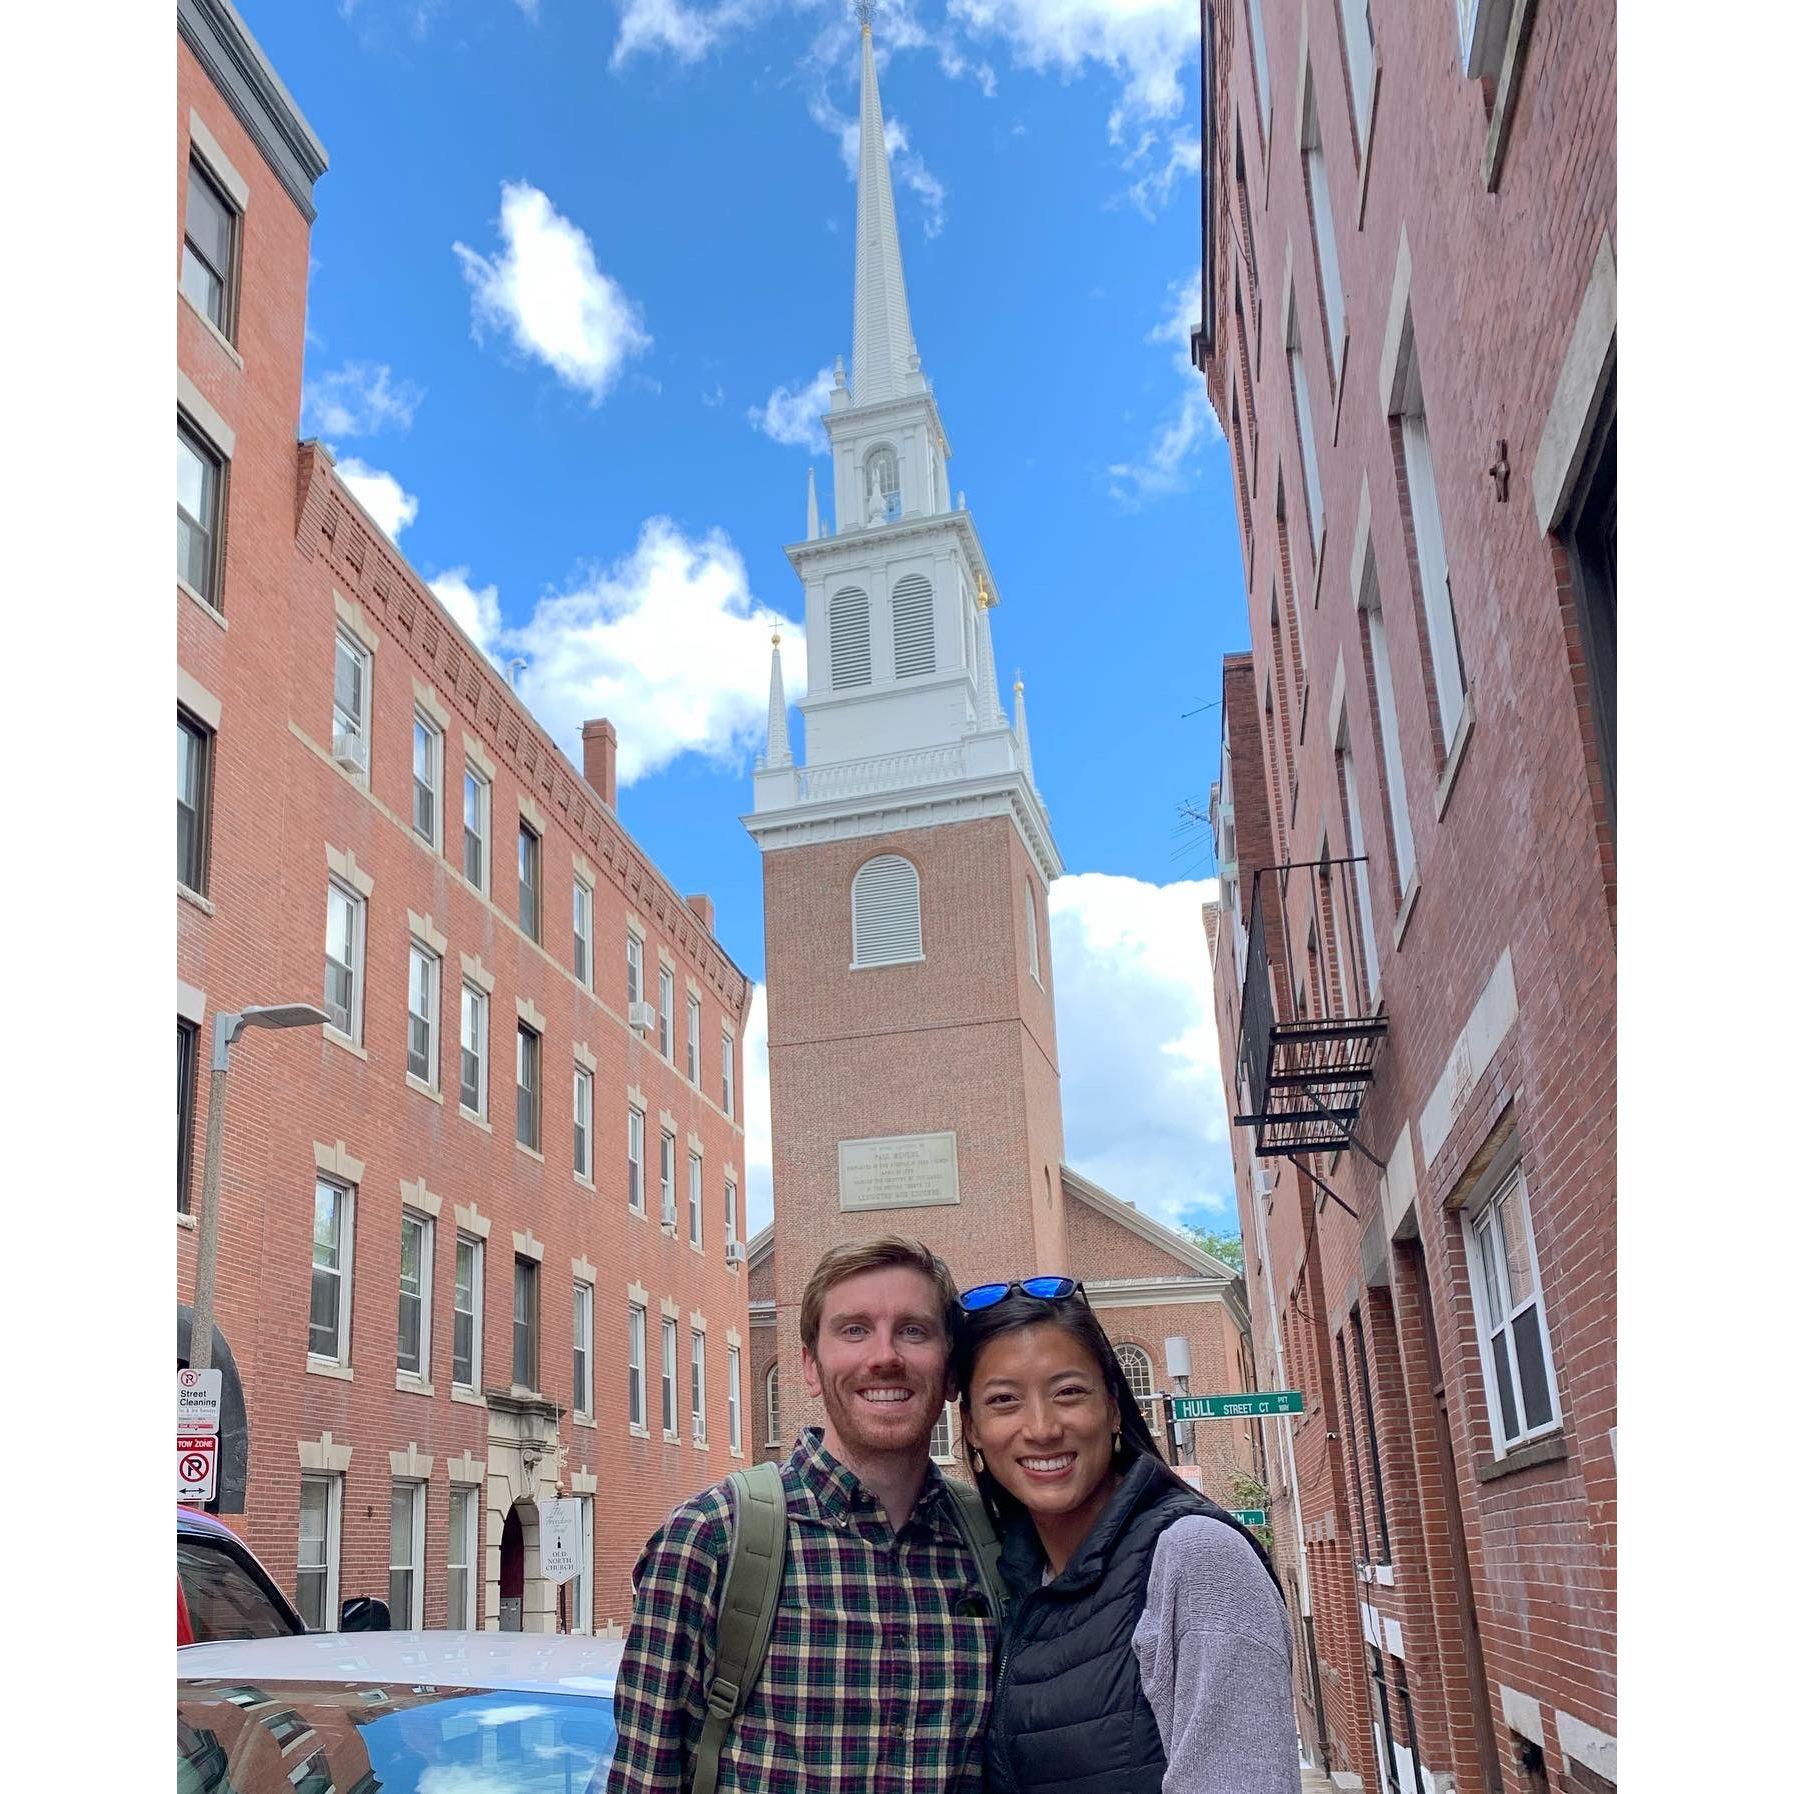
510, 1573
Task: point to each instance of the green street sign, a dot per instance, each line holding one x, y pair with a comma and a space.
1235, 1407
1250, 1516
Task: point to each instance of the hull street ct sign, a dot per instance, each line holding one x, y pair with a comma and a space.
1234, 1407
1250, 1516
198, 1397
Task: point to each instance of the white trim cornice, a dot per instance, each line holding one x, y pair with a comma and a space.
1153, 1292
851, 545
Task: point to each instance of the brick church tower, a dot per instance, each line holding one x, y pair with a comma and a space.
909, 979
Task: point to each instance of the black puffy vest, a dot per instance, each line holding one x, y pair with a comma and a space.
1070, 1716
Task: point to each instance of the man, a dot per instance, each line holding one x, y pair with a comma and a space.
877, 1677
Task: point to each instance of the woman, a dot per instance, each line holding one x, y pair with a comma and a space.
1146, 1647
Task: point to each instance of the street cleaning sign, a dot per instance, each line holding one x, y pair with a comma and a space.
561, 1542
198, 1402
1235, 1407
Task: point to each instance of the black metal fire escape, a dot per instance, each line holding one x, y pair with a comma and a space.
1305, 1073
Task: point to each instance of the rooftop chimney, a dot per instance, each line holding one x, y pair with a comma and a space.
600, 739
701, 907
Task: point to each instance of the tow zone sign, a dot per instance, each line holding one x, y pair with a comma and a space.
199, 1396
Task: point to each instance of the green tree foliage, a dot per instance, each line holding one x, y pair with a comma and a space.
1224, 1246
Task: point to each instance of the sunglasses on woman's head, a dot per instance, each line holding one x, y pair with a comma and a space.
1042, 1289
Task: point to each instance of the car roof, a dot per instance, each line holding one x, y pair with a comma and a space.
191, 1519
535, 1662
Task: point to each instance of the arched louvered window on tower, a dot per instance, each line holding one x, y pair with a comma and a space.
912, 626
849, 638
887, 913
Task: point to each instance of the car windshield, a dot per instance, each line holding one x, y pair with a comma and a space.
312, 1737
223, 1599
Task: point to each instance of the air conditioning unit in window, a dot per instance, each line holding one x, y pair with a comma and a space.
349, 751
1264, 1178
734, 1253
669, 1226
641, 1017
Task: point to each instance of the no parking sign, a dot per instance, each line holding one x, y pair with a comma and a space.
199, 1396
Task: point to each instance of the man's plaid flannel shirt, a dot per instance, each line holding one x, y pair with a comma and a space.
873, 1683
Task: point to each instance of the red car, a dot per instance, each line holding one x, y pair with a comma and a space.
221, 1591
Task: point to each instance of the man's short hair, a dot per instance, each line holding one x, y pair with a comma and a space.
890, 1251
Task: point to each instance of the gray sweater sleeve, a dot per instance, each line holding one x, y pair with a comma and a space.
1213, 1646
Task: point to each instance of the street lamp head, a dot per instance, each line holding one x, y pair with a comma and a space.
283, 1015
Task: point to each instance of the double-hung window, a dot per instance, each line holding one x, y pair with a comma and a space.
320, 1529
735, 1398
332, 1269
209, 250
638, 1138
699, 1432
582, 1123
405, 1579
632, 968
694, 1012
426, 778
476, 825
582, 1350
470, 1279
1320, 218
1518, 1373
666, 1013
638, 1366
694, 1192
474, 1005
1360, 48
417, 1254
349, 703
525, 1314
729, 1074
1382, 696
463, 1555
669, 1376
582, 932
192, 801
198, 512
1305, 439
529, 881
186, 1045
731, 1219
422, 1010
345, 935
529, 1087
669, 1157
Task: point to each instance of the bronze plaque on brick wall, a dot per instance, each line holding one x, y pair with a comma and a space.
899, 1171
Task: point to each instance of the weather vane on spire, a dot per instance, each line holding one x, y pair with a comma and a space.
863, 11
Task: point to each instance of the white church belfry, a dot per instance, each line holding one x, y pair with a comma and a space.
903, 719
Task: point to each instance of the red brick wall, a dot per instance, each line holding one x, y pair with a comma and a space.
1515, 856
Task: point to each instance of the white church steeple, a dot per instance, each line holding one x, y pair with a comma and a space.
885, 363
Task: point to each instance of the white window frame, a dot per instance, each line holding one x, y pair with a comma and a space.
1261, 73
230, 277
480, 831
894, 944
729, 1074
476, 1006
669, 1376
331, 1483
771, 1386
356, 906
214, 466
533, 1282
1477, 1218
430, 963
350, 732
942, 1451
694, 1037
426, 1271
416, 1493
426, 737
477, 1294
1125, 1352
735, 1400
700, 1389
1305, 438
694, 1198
532, 1110
530, 858
731, 1211
634, 974
1482, 35
582, 936
582, 1346
1326, 240
1382, 692
343, 1270
1033, 933
669, 1178
579, 1604
636, 1152
1361, 68
463, 1539
638, 1367
1357, 849
582, 1123
667, 995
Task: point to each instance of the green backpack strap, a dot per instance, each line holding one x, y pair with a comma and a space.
974, 1522
745, 1615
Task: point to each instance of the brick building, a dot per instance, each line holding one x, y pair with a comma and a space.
1410, 338
458, 1274
911, 1038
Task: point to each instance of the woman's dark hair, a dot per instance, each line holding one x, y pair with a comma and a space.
1073, 1315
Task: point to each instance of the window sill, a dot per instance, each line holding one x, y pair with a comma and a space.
885, 965
478, 1121
325, 1367
470, 1398
205, 604
530, 1152
1403, 915
584, 1419
521, 1392
423, 1089
636, 1214
585, 1183
1548, 1448
696, 1247
667, 1438
342, 1040
408, 1384
638, 1432
186, 1223
1454, 759
212, 329
187, 894
700, 1445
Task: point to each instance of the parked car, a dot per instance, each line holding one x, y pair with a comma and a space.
221, 1590
407, 1712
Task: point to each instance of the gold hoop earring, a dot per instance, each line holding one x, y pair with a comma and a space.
1118, 1442
977, 1460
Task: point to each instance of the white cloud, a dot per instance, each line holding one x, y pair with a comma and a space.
547, 292
1144, 1100
1163, 465
360, 398
686, 32
668, 642
475, 608
1146, 43
907, 167
1151, 192
756, 1092
794, 417
379, 494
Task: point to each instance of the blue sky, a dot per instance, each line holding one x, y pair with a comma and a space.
576, 271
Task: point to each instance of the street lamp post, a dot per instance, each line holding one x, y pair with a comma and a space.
226, 1026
